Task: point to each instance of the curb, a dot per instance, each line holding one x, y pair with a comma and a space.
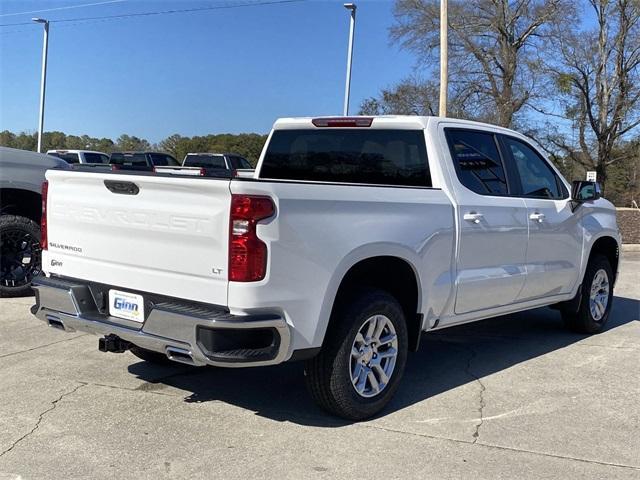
631, 247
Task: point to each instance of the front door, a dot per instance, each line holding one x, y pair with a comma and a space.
555, 234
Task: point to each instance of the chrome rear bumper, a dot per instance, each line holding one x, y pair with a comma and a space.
197, 331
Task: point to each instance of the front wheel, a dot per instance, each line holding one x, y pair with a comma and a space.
363, 357
597, 298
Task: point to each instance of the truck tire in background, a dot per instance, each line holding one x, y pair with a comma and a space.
596, 299
20, 255
366, 342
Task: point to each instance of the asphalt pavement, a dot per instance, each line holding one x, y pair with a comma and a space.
511, 397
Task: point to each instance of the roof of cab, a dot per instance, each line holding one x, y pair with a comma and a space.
69, 150
384, 121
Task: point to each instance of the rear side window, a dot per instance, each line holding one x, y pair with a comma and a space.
366, 156
477, 161
205, 161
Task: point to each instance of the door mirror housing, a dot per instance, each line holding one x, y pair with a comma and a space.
584, 191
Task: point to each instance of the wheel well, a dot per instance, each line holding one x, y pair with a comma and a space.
393, 275
608, 247
24, 203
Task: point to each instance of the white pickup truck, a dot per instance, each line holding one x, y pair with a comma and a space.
354, 236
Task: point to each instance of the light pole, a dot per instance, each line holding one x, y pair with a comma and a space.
43, 80
347, 88
444, 67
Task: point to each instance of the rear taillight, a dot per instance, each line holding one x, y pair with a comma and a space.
43, 220
247, 253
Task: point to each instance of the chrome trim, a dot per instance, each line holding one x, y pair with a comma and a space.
163, 331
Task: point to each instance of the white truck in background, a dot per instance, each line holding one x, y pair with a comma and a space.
80, 156
354, 236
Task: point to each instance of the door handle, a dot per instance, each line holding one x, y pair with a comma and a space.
537, 217
473, 217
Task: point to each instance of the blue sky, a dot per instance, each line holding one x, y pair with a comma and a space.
233, 70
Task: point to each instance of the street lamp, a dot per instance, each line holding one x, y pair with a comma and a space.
43, 80
444, 58
352, 8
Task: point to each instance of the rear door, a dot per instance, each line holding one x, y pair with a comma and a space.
160, 234
555, 235
492, 224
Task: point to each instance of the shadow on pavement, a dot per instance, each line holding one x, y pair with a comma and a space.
447, 359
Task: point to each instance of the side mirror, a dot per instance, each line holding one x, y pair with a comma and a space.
583, 191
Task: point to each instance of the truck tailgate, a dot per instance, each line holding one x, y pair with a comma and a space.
160, 234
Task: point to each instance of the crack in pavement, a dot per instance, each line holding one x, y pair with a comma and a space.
483, 388
41, 416
481, 400
498, 447
43, 346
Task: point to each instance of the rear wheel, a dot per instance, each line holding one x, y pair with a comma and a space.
20, 255
363, 357
596, 300
150, 356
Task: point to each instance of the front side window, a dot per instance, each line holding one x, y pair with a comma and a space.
537, 179
348, 155
477, 161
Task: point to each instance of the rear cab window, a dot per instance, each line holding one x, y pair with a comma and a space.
130, 159
205, 161
239, 162
163, 160
90, 157
67, 156
348, 155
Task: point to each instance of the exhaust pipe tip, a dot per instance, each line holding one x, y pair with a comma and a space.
55, 322
180, 355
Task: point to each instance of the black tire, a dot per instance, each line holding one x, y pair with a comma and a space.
20, 255
150, 356
328, 375
584, 321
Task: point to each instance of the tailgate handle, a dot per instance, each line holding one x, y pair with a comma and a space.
124, 188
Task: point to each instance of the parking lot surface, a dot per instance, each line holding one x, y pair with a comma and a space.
511, 397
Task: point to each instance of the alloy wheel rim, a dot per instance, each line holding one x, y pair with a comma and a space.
373, 356
599, 295
19, 258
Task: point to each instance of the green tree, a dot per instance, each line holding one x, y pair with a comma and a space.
129, 142
494, 47
597, 73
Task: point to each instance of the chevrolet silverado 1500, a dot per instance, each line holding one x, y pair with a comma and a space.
354, 236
